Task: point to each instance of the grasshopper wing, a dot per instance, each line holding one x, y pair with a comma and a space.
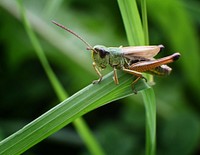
147, 52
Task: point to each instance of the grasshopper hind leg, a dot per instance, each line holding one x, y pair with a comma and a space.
135, 81
133, 84
137, 74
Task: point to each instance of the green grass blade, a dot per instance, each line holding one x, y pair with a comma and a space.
150, 106
132, 22
136, 36
85, 100
59, 90
145, 22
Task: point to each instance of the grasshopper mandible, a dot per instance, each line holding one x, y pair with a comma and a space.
132, 59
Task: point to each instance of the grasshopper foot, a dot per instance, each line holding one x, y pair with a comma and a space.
144, 78
135, 81
97, 81
134, 91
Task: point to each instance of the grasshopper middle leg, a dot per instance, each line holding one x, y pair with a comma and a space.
115, 77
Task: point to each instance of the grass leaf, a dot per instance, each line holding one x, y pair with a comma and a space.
132, 22
135, 34
85, 100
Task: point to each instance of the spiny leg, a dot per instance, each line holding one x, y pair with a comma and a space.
115, 78
136, 73
98, 72
143, 66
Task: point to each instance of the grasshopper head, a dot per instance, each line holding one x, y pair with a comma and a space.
101, 50
100, 55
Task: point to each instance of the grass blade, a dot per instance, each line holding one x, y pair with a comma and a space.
136, 36
85, 100
150, 106
132, 22
145, 22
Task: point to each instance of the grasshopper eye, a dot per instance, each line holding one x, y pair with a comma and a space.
102, 52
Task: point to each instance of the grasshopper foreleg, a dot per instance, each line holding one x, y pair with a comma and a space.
98, 72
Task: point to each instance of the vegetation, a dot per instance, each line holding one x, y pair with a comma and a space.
41, 65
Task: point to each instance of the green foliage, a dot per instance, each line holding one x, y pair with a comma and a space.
87, 99
132, 22
120, 126
56, 119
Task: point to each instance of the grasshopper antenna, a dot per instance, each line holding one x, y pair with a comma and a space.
70, 31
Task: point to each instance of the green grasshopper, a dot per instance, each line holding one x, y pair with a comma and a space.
132, 59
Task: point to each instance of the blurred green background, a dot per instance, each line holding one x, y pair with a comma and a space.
120, 126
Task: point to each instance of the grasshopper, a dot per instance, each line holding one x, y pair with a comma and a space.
132, 59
